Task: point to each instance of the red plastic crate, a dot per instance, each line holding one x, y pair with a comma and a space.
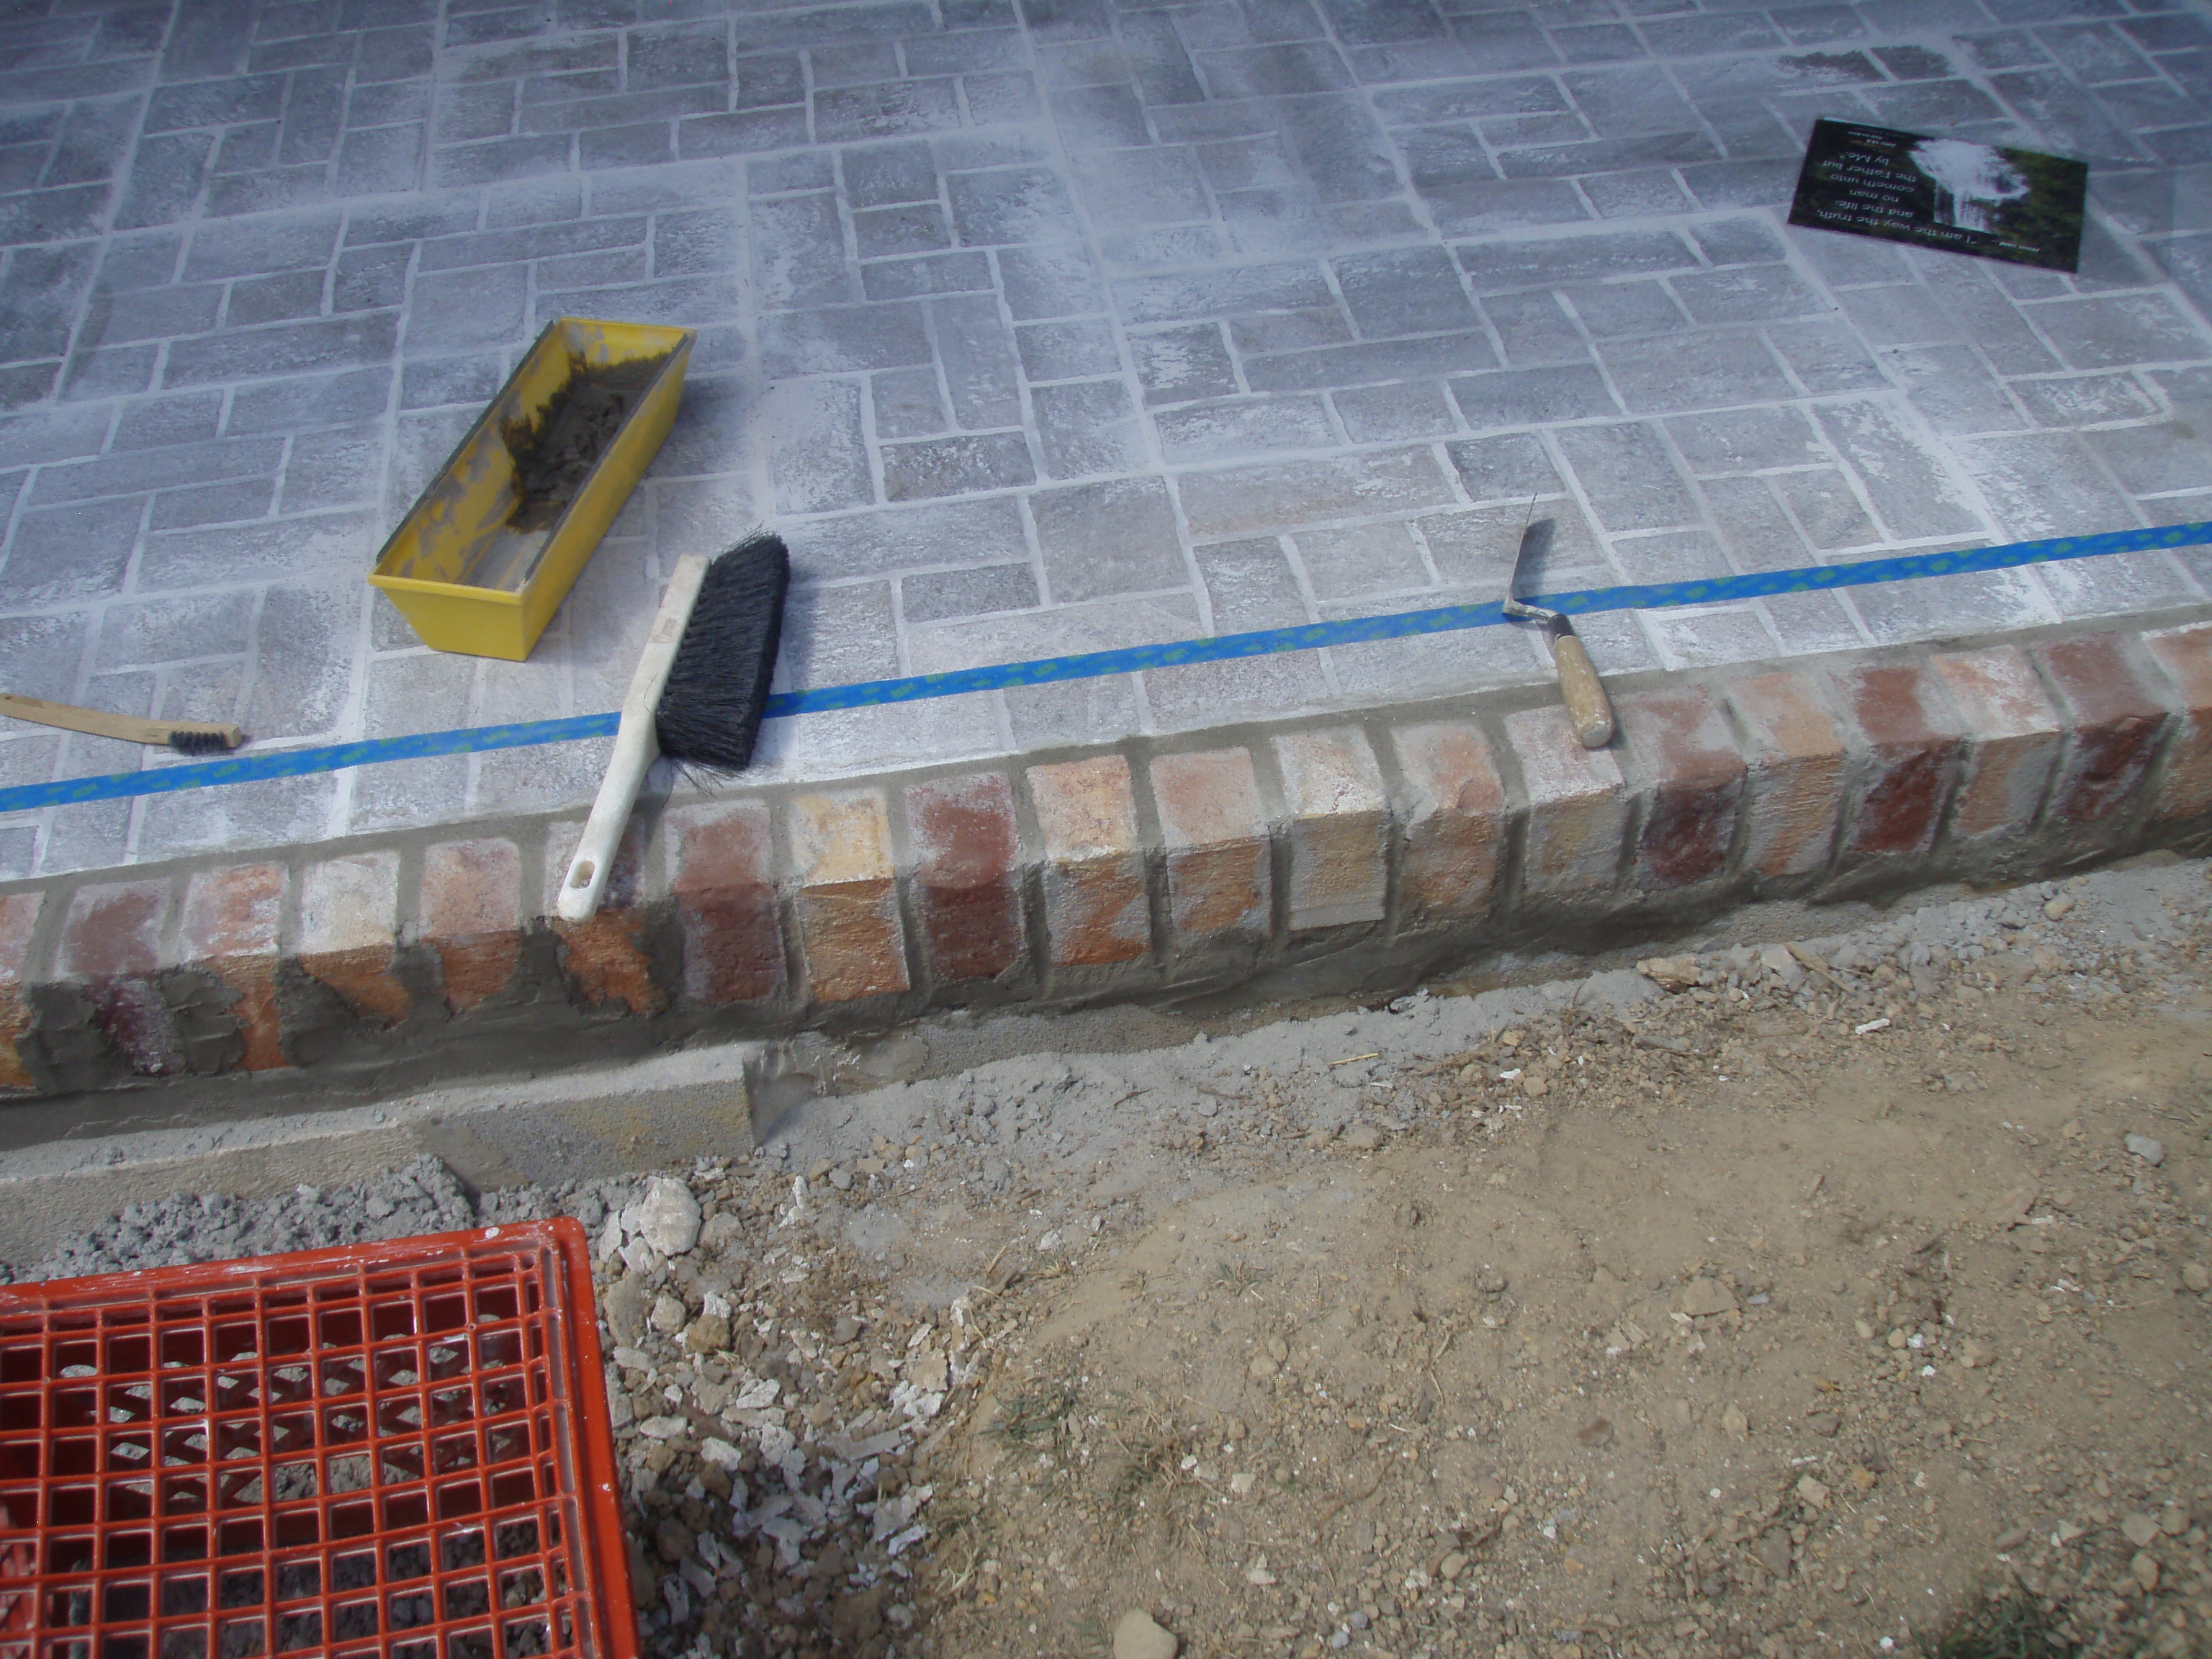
392, 1449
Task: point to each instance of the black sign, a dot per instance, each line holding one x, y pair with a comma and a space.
1950, 193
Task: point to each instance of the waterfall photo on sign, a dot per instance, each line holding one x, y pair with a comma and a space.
1951, 193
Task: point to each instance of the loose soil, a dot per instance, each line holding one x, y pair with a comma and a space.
557, 451
1844, 1298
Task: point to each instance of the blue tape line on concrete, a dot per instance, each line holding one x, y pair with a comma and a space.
1720, 590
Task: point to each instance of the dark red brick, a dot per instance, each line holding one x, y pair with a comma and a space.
1693, 777
967, 882
724, 882
1907, 757
111, 944
2116, 725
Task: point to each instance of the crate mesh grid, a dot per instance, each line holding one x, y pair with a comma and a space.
394, 1450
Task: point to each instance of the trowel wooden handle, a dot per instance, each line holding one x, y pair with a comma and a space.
1588, 707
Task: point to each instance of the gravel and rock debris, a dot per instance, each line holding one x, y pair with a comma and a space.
1778, 1299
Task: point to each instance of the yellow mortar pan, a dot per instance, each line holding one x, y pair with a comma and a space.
467, 577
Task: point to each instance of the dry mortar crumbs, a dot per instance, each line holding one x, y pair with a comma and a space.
1751, 1332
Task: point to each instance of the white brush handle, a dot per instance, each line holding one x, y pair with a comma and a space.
636, 746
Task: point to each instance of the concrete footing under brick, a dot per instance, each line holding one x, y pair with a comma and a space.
1339, 853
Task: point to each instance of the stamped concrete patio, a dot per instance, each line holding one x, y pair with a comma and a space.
1044, 328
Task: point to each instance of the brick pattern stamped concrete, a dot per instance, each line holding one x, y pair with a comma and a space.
1045, 327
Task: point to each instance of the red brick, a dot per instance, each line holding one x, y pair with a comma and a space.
1795, 775
350, 932
19, 914
966, 874
229, 929
1577, 809
112, 942
724, 881
472, 916
1456, 821
1695, 777
1338, 827
2013, 734
1908, 758
2186, 655
2116, 726
1096, 911
848, 902
1216, 838
609, 958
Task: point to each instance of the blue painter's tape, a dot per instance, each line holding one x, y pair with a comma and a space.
1135, 659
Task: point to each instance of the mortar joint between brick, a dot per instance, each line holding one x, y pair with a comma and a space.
1030, 857
1513, 787
1396, 796
2171, 692
1275, 824
1738, 866
407, 903
906, 874
1151, 852
45, 949
783, 882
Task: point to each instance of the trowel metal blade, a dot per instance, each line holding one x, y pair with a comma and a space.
1535, 542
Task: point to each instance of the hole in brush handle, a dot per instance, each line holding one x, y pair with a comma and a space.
580, 877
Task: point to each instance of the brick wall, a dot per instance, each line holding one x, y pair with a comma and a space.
1393, 844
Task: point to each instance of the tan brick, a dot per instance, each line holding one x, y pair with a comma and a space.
848, 902
1578, 805
472, 916
350, 932
19, 915
1337, 822
229, 929
1456, 821
2013, 734
1798, 766
1217, 853
609, 958
1095, 907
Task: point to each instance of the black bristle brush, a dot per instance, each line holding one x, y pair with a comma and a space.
186, 737
697, 696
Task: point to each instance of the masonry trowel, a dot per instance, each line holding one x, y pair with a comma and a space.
1589, 709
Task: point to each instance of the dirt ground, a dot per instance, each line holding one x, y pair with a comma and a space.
1751, 1333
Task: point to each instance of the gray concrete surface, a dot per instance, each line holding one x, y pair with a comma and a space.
1054, 328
